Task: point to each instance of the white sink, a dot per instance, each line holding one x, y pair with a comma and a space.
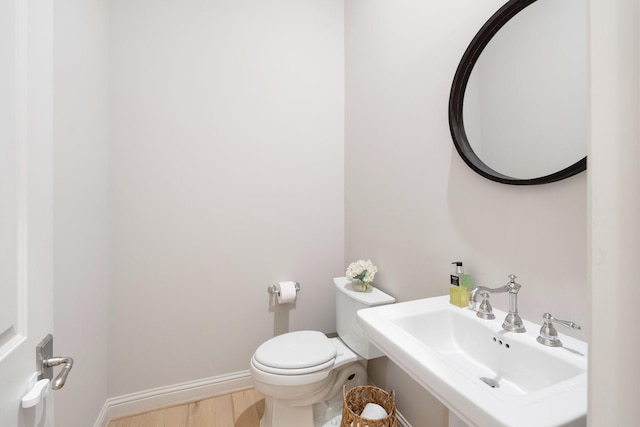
449, 350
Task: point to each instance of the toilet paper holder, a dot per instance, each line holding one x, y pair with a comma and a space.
273, 289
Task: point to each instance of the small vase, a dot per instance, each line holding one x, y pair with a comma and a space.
359, 285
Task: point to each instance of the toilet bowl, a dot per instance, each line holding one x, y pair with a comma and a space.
301, 374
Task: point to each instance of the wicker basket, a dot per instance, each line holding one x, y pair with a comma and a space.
357, 398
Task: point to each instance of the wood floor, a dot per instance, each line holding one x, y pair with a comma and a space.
240, 409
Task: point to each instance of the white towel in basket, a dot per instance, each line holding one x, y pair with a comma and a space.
373, 411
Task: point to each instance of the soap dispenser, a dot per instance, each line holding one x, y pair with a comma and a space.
460, 284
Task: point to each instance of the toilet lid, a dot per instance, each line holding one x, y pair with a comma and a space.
296, 350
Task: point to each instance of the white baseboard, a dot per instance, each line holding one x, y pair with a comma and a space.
148, 400
102, 419
177, 394
402, 422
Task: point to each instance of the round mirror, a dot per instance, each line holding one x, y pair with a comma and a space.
518, 104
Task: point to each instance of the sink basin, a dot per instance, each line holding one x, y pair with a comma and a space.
484, 374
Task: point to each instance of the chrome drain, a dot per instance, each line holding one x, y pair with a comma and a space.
490, 382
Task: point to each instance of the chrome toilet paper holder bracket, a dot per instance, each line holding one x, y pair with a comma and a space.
273, 289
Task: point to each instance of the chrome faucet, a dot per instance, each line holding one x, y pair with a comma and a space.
549, 335
513, 321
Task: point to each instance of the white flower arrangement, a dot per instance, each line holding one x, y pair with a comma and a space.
362, 270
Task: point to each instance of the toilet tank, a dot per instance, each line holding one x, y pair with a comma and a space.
348, 302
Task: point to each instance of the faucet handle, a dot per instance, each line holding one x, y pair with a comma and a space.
548, 333
485, 311
512, 285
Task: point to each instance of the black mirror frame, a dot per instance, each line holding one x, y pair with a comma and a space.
456, 102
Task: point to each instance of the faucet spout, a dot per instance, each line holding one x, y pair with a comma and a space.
513, 321
483, 290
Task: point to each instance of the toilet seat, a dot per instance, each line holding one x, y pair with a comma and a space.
295, 353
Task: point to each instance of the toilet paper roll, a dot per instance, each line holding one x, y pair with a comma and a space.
286, 292
373, 411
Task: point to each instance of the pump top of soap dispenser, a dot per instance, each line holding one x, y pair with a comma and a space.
455, 277
459, 267
460, 278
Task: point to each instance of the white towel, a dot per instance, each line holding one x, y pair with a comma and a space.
373, 411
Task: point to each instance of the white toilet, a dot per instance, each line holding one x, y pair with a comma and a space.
301, 374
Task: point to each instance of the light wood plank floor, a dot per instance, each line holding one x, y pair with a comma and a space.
240, 409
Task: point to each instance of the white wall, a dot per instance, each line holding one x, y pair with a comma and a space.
413, 206
226, 175
80, 206
614, 202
